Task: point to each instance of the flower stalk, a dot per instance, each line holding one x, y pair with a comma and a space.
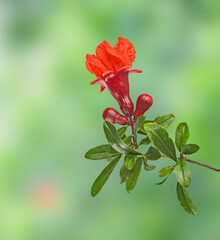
132, 129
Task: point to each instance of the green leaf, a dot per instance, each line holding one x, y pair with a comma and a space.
185, 200
153, 153
165, 171
113, 158
190, 148
133, 176
121, 131
182, 135
101, 152
182, 172
103, 177
161, 182
141, 132
147, 166
137, 124
127, 140
159, 136
129, 161
165, 120
145, 141
124, 173
142, 129
115, 141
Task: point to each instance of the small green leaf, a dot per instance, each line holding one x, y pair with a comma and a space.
121, 131
165, 120
103, 177
153, 153
124, 173
190, 148
129, 161
161, 182
115, 141
142, 132
185, 200
133, 176
137, 124
159, 136
165, 171
123, 137
147, 166
182, 135
101, 152
182, 172
142, 129
145, 141
127, 140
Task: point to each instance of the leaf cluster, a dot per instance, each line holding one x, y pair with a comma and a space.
159, 146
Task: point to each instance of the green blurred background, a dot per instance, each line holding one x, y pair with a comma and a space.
50, 116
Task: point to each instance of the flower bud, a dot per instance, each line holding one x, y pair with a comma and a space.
144, 102
113, 116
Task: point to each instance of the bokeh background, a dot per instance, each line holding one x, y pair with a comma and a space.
50, 116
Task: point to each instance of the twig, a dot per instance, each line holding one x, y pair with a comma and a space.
198, 163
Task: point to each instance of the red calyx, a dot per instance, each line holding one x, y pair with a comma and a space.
118, 86
113, 116
144, 102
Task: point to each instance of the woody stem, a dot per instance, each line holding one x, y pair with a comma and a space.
197, 163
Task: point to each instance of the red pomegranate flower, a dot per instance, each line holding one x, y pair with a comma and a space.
112, 67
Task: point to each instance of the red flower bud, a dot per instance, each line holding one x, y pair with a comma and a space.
113, 116
144, 102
